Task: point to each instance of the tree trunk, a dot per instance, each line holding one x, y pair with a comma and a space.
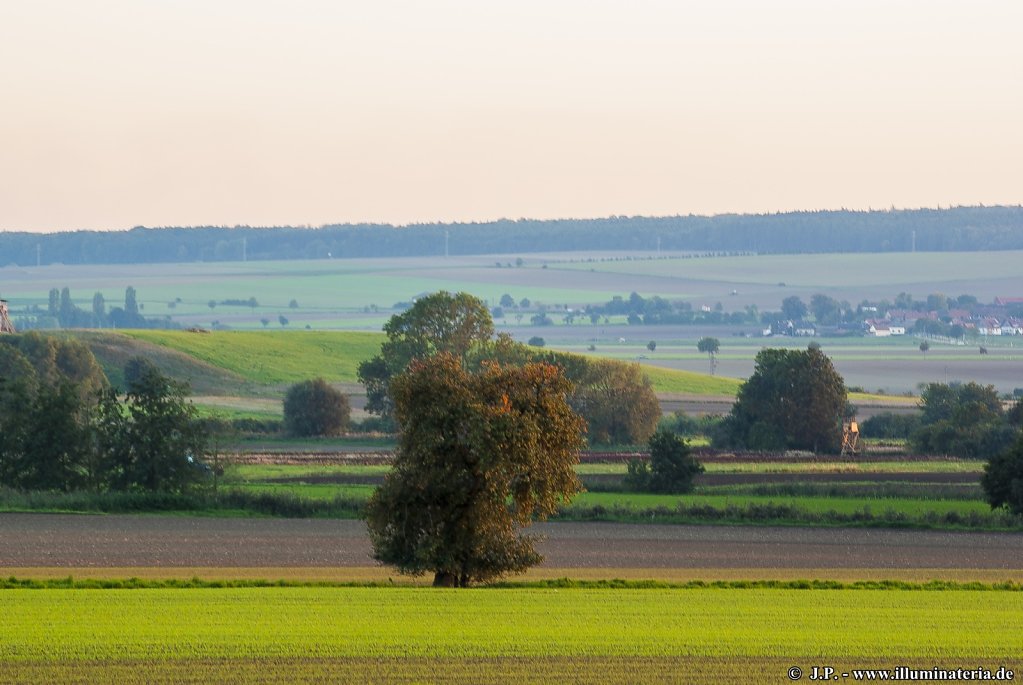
445, 579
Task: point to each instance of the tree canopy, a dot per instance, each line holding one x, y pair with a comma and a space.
1003, 478
795, 399
618, 402
962, 419
440, 322
469, 444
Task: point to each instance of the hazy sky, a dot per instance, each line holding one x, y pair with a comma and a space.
116, 113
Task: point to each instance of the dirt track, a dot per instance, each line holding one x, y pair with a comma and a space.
41, 540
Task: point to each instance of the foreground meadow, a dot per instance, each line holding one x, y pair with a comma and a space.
531, 634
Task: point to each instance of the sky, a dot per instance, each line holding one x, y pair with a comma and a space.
117, 113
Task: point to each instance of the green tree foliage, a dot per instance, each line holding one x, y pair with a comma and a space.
55, 359
156, 442
711, 347
1003, 478
471, 443
441, 322
962, 419
617, 401
794, 400
315, 408
537, 341
671, 469
793, 308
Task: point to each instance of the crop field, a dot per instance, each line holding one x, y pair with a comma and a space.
328, 288
392, 634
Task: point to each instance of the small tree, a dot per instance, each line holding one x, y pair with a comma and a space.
469, 445
537, 341
652, 345
711, 347
1003, 479
672, 466
315, 408
282, 320
158, 443
924, 346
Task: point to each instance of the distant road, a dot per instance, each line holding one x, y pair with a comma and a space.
30, 540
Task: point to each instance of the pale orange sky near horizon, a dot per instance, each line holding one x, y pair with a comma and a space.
118, 113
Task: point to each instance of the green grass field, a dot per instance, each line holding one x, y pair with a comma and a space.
402, 634
269, 358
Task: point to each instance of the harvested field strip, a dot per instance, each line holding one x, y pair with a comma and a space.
261, 623
382, 574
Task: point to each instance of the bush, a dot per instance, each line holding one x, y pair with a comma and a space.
537, 341
314, 408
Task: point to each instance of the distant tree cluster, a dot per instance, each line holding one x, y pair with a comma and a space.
62, 312
65, 429
954, 229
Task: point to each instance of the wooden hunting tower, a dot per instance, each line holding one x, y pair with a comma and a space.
5, 321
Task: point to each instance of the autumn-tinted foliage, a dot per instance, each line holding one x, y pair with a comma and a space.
315, 408
617, 401
470, 443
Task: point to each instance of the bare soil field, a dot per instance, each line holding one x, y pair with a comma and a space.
70, 541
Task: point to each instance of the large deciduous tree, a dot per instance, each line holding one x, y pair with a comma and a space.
440, 322
795, 399
480, 455
618, 402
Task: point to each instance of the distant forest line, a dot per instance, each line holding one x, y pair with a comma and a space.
956, 229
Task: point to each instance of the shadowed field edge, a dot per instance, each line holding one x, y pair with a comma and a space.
471, 670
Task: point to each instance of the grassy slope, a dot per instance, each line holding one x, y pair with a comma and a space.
273, 357
276, 357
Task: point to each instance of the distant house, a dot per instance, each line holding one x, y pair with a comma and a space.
1003, 301
989, 326
882, 329
1012, 326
